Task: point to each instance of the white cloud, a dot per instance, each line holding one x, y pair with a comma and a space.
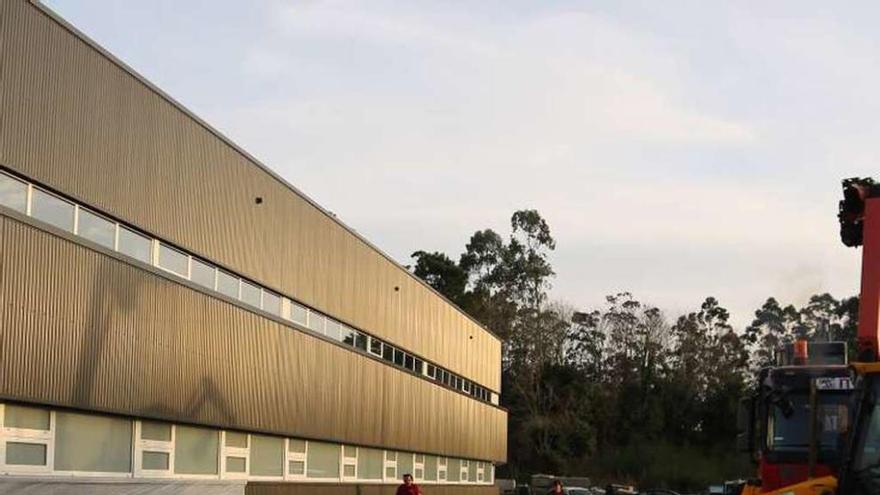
677, 152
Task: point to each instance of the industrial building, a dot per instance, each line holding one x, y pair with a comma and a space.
174, 315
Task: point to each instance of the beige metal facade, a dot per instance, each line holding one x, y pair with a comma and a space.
75, 120
83, 327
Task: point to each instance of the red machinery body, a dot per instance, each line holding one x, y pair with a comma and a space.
776, 476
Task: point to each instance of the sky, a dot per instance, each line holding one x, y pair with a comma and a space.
678, 149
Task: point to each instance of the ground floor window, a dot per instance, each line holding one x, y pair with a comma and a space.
196, 451
369, 464
323, 460
40, 441
87, 443
296, 458
154, 455
390, 466
266, 457
28, 439
419, 467
236, 454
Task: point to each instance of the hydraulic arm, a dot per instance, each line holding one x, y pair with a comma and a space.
859, 215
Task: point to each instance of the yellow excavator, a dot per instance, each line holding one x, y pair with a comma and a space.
859, 469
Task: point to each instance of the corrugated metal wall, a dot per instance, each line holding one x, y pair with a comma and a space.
83, 329
71, 118
316, 489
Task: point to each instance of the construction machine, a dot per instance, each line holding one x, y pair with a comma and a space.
859, 470
775, 419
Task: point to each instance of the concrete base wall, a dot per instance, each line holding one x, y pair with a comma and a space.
269, 488
102, 486
37, 485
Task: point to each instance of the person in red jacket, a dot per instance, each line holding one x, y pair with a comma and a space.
408, 487
557, 488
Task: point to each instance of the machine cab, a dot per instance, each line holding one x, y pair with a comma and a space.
791, 397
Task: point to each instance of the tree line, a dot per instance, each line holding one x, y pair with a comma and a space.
622, 392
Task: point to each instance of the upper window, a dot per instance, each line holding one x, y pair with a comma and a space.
13, 193
227, 284
250, 294
271, 303
360, 341
348, 335
52, 210
202, 273
333, 329
135, 245
173, 260
316, 321
96, 228
299, 314
375, 346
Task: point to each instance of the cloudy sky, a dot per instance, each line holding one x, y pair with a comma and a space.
678, 149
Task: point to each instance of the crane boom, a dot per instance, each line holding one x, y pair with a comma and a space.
869, 300
859, 215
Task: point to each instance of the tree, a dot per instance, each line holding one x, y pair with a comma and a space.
616, 392
820, 318
622, 349
708, 363
503, 284
773, 326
